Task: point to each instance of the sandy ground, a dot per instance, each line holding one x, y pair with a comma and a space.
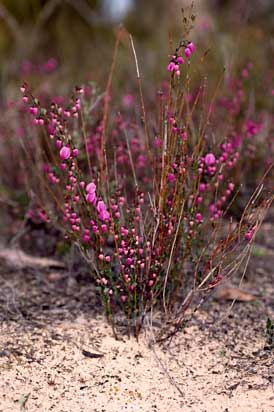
194, 373
48, 319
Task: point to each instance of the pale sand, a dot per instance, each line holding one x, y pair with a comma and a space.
51, 368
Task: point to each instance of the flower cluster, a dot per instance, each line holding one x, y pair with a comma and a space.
177, 60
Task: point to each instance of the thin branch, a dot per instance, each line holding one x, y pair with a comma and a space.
11, 22
141, 98
103, 155
44, 15
85, 11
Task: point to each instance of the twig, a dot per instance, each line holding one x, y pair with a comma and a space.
171, 255
85, 11
103, 156
141, 98
11, 22
160, 362
43, 16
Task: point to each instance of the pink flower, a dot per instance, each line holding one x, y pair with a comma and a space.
180, 60
191, 47
101, 206
248, 236
33, 110
171, 67
210, 159
65, 153
202, 187
58, 144
91, 187
250, 233
91, 198
86, 238
187, 52
129, 261
171, 177
157, 142
102, 210
127, 100
198, 218
104, 215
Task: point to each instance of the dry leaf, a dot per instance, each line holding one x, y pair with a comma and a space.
19, 259
233, 293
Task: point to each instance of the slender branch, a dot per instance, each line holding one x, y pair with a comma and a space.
85, 11
44, 15
103, 157
141, 98
11, 22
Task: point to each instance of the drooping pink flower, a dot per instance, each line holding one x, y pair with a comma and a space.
180, 60
191, 47
127, 100
65, 153
187, 52
171, 177
199, 218
157, 142
248, 236
33, 110
50, 65
104, 215
202, 187
231, 186
91, 197
129, 261
86, 238
210, 159
171, 67
91, 187
102, 210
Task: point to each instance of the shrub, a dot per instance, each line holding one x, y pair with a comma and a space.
147, 198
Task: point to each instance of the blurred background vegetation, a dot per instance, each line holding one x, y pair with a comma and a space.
55, 44
79, 36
